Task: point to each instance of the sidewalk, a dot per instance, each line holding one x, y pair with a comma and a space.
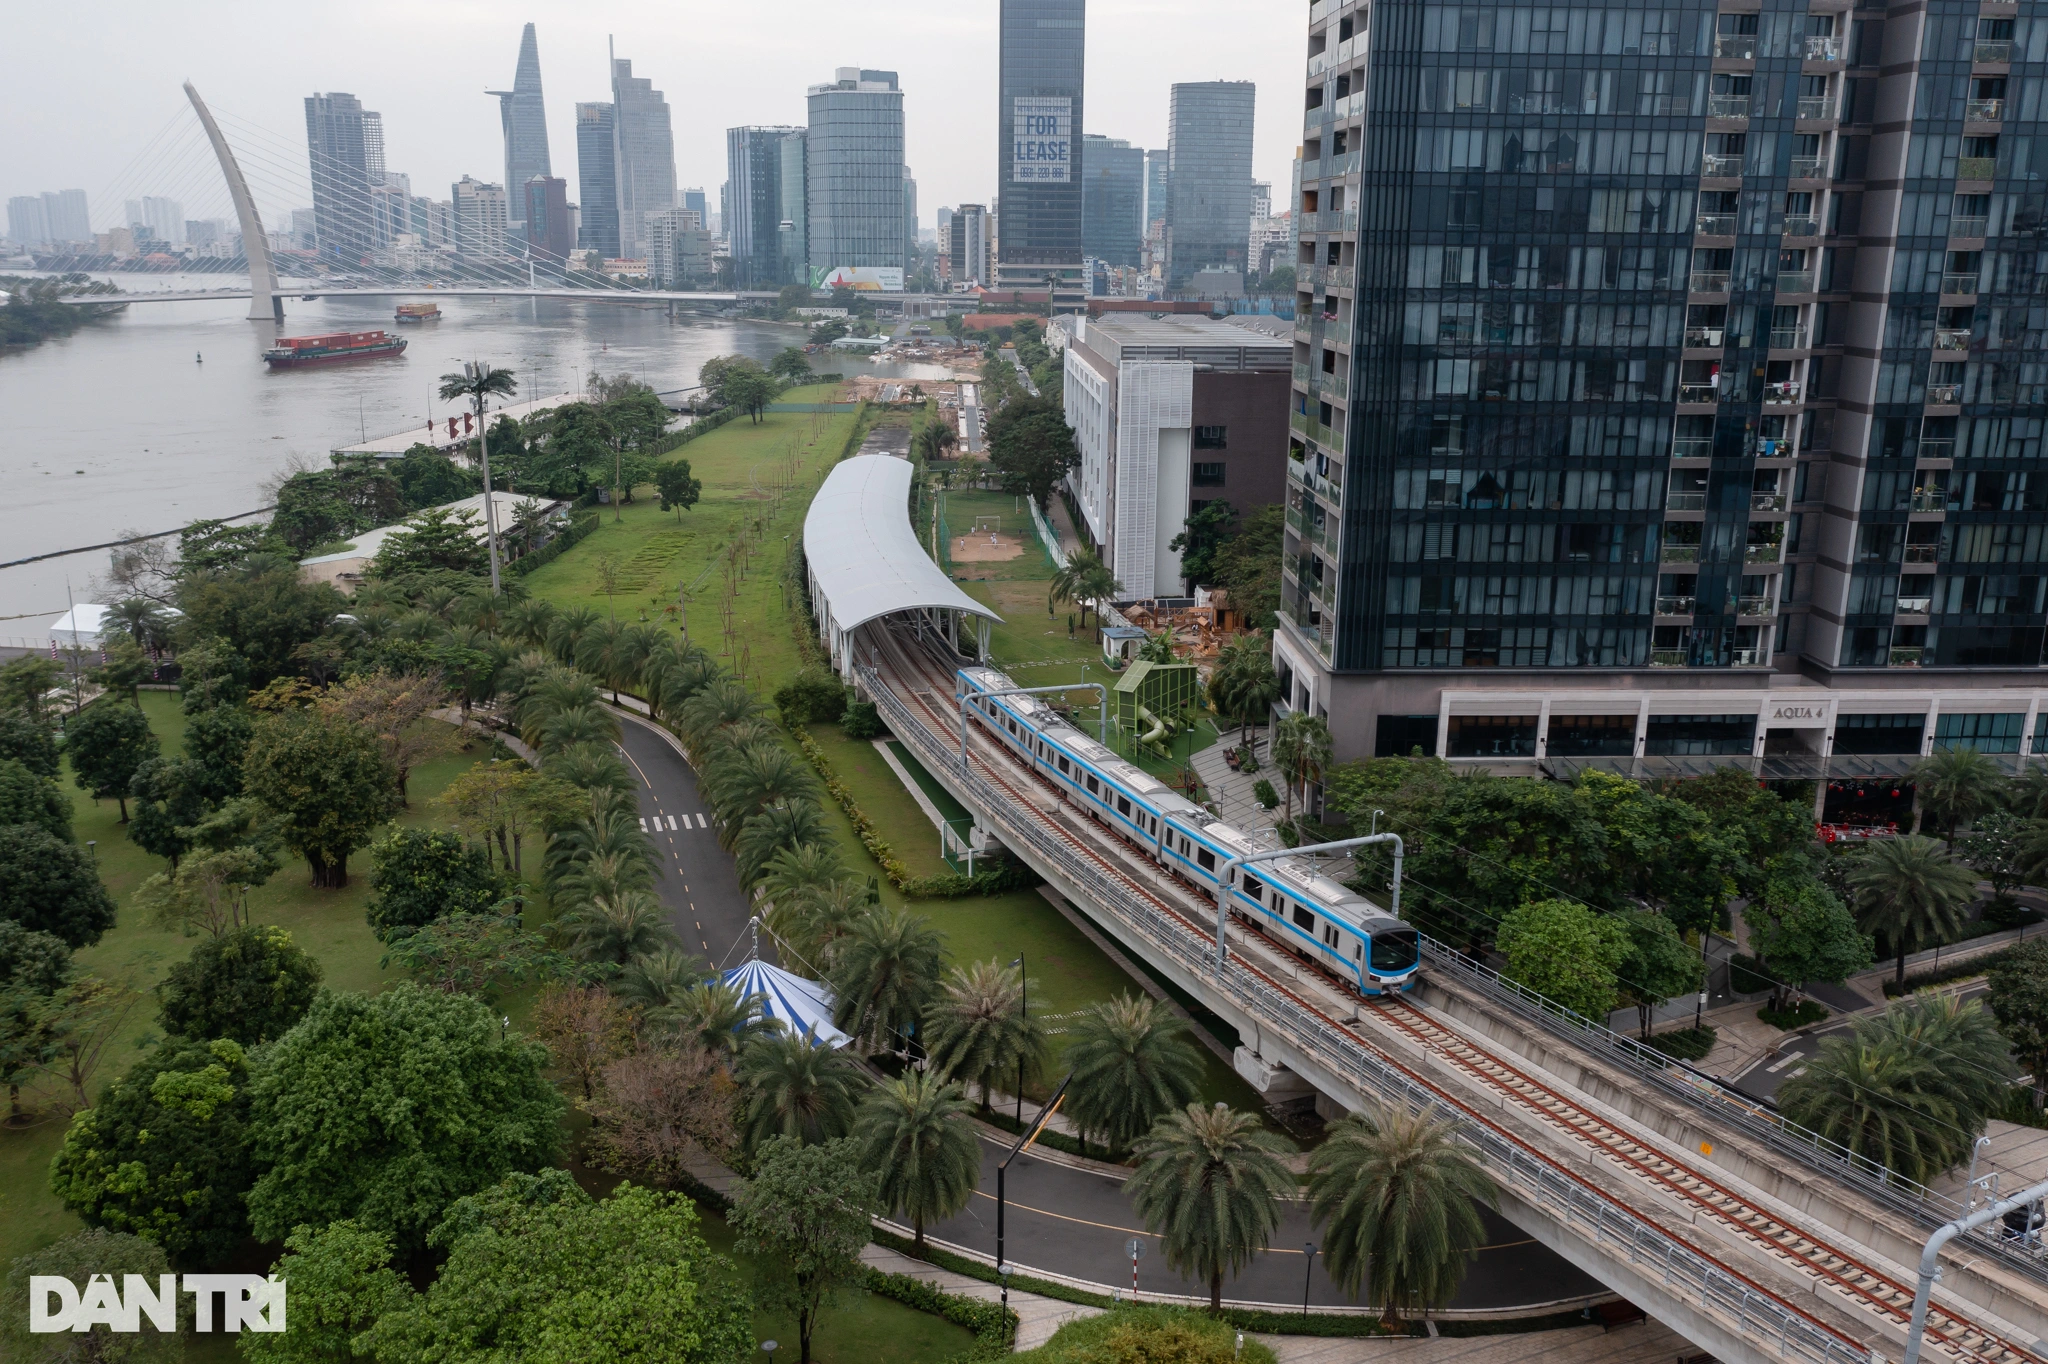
513, 743
1037, 1317
1645, 1342
1231, 791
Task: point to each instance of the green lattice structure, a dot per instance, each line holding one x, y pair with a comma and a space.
1155, 704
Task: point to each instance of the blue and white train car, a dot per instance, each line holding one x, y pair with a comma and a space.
1322, 921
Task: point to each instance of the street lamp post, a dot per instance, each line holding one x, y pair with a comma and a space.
1025, 980
1307, 1272
1003, 1167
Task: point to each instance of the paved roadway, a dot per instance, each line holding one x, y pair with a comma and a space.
700, 884
1763, 1079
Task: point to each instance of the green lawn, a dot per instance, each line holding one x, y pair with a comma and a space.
327, 923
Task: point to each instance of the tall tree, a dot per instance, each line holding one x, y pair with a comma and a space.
1202, 534
326, 783
1955, 785
1909, 891
676, 487
1397, 1197
422, 874
1804, 934
50, 885
1301, 750
252, 986
1133, 1062
1209, 1184
478, 382
884, 975
977, 1028
1659, 965
78, 1257
2019, 1001
796, 1089
803, 1219
106, 744
341, 1282
1567, 953
1031, 447
715, 1015
26, 798
915, 1131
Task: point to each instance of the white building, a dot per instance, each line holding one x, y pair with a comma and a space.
482, 218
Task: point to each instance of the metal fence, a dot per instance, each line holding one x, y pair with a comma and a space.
1759, 1317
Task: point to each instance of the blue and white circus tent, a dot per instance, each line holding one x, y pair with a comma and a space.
802, 1006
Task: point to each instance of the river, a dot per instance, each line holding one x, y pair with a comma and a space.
166, 412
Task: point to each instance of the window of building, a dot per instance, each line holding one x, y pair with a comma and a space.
1493, 736
1879, 733
1985, 733
1698, 735
1592, 736
1207, 475
1212, 438
1401, 735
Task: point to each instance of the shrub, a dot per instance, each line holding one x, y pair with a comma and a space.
863, 721
250, 985
424, 875
1685, 1044
1264, 794
1798, 1016
813, 695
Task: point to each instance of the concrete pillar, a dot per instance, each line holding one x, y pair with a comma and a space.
266, 304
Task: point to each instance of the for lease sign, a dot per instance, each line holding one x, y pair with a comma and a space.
1042, 140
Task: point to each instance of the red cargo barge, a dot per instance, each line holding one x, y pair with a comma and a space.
291, 352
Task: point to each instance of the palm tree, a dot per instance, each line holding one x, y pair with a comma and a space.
1397, 1197
592, 767
794, 873
742, 781
1955, 785
1209, 1184
977, 1030
884, 974
1909, 890
608, 651
617, 929
724, 702
1244, 685
570, 728
617, 834
915, 1132
477, 382
1133, 1061
686, 679
1084, 578
785, 824
1301, 750
827, 917
795, 1089
1976, 1063
660, 979
717, 1017
528, 521
550, 693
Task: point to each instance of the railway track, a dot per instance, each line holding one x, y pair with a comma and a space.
926, 685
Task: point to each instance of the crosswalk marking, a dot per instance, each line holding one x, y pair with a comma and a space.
1789, 1058
702, 822
643, 824
671, 821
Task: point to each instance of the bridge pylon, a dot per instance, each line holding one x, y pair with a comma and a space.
266, 303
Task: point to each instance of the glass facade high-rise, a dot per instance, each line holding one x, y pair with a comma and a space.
1664, 389
1209, 195
1112, 201
853, 170
525, 123
1039, 127
597, 181
340, 173
644, 155
757, 205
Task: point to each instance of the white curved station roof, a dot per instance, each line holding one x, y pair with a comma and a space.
862, 552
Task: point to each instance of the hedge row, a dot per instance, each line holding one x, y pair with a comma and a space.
676, 440
579, 526
1955, 970
994, 1326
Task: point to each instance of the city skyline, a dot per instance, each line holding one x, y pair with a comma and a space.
439, 129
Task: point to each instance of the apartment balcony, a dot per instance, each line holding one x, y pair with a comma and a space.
1795, 281
1959, 282
1698, 393
1667, 658
1984, 110
1976, 167
1755, 606
1930, 499
1782, 394
1764, 554
1747, 658
1915, 606
1968, 227
1679, 554
1825, 49
1907, 657
1767, 502
1682, 502
1944, 395
1677, 606
1802, 225
1705, 338
1816, 106
1709, 282
1992, 52
1743, 45
1944, 448
1692, 447
1727, 106
1719, 166
1951, 338
1716, 225
1788, 338
1808, 168
1923, 554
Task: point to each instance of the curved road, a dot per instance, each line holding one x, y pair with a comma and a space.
1060, 1219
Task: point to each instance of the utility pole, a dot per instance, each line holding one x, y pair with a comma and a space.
483, 445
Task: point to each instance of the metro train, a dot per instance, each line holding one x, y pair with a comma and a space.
1322, 921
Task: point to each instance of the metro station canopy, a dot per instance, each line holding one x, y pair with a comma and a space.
862, 554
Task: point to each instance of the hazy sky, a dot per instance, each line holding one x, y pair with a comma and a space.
88, 89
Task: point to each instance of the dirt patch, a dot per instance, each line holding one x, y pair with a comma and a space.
986, 548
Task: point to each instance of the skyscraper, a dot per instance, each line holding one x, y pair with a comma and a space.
1112, 200
482, 215
645, 155
340, 173
853, 172
597, 181
525, 122
1209, 199
65, 213
793, 231
693, 198
1691, 431
1157, 170
967, 244
546, 217
1038, 140
27, 222
759, 203
909, 217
